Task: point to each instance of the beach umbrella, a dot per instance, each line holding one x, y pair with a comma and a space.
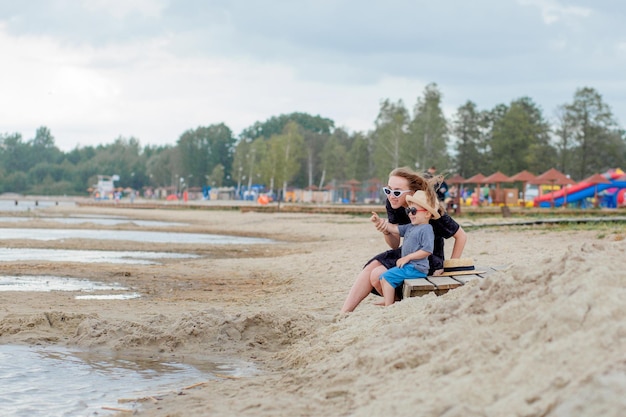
497, 178
456, 179
353, 186
596, 179
478, 180
554, 177
374, 186
524, 177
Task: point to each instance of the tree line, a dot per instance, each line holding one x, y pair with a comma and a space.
302, 150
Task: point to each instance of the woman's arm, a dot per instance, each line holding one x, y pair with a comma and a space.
460, 238
392, 235
390, 230
393, 239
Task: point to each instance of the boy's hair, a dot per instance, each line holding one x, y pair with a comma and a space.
418, 182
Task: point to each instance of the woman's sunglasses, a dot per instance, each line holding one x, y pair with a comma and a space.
395, 193
413, 210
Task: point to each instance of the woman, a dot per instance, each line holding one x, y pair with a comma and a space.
403, 182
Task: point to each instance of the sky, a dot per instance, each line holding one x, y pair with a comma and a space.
92, 71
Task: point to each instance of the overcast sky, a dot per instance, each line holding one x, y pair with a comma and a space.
95, 70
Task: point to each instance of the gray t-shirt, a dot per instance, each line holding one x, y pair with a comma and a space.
416, 237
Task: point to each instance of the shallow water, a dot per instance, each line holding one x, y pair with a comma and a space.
138, 236
59, 382
27, 205
126, 296
105, 221
47, 283
88, 256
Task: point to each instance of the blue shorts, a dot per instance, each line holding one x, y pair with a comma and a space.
396, 276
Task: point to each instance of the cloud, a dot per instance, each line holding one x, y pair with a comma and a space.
122, 9
554, 11
94, 70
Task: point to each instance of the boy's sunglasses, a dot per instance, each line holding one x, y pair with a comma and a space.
413, 210
396, 193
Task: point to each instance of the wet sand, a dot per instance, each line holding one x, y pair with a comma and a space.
545, 336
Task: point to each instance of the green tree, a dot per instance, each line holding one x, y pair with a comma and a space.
315, 131
276, 125
359, 162
564, 130
333, 158
314, 143
248, 163
241, 158
43, 147
389, 141
122, 157
78, 154
14, 153
284, 157
217, 176
468, 126
202, 149
258, 152
520, 139
15, 182
162, 167
428, 131
599, 143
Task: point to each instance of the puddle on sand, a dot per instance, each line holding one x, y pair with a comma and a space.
105, 221
128, 296
88, 256
59, 382
39, 283
139, 236
18, 204
46, 283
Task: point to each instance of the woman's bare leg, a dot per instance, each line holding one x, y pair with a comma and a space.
375, 278
389, 293
375, 282
360, 289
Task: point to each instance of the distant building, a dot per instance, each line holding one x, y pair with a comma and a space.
105, 188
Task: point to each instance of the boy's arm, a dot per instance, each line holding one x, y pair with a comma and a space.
419, 254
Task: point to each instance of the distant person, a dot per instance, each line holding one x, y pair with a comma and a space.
418, 244
441, 188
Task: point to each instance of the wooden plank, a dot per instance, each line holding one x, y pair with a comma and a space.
488, 270
444, 283
464, 279
441, 285
416, 287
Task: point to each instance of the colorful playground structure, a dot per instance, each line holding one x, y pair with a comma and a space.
606, 190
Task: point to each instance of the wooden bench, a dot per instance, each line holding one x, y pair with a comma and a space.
441, 285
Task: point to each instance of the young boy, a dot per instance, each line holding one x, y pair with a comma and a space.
417, 245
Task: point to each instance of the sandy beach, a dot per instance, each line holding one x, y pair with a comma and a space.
544, 336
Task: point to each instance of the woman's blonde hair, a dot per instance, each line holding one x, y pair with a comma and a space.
418, 182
